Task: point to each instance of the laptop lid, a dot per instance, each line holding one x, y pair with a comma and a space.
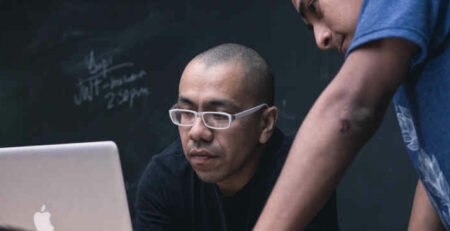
63, 187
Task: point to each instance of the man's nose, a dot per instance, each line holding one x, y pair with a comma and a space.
323, 36
199, 132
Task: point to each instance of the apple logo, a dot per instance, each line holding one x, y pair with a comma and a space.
42, 220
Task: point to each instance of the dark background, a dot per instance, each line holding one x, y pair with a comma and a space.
125, 57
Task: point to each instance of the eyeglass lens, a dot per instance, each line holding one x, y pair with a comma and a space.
211, 119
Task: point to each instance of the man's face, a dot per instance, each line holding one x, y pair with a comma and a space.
218, 155
333, 21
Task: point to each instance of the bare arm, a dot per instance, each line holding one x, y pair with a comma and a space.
423, 215
342, 119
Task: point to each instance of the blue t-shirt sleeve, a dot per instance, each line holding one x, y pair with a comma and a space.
414, 20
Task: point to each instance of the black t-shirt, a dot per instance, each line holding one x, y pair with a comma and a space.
170, 196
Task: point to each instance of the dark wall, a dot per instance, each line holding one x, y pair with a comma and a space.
75, 71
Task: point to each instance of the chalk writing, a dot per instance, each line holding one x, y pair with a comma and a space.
103, 83
118, 82
283, 112
130, 185
125, 96
95, 67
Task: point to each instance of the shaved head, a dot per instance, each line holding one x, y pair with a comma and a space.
258, 75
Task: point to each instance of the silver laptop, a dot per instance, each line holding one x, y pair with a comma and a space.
63, 187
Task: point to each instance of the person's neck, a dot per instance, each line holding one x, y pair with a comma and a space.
237, 181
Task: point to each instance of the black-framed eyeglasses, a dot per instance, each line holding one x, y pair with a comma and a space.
211, 119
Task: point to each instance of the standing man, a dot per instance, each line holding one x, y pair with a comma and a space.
394, 50
219, 174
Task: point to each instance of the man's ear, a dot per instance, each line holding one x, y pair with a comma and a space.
268, 121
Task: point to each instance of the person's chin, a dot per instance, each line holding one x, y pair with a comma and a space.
346, 43
209, 176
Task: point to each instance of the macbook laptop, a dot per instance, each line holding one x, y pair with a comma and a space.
62, 188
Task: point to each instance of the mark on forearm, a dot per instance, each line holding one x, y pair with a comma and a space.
345, 126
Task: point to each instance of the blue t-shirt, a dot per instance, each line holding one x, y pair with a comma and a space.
422, 102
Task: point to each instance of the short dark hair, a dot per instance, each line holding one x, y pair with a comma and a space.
258, 71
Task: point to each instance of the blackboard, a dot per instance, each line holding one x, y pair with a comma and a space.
77, 71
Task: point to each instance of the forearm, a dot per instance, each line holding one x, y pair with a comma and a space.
322, 150
423, 215
340, 122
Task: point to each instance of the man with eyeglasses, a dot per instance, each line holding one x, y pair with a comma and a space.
221, 171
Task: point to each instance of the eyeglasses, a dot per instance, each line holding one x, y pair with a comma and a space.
214, 120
